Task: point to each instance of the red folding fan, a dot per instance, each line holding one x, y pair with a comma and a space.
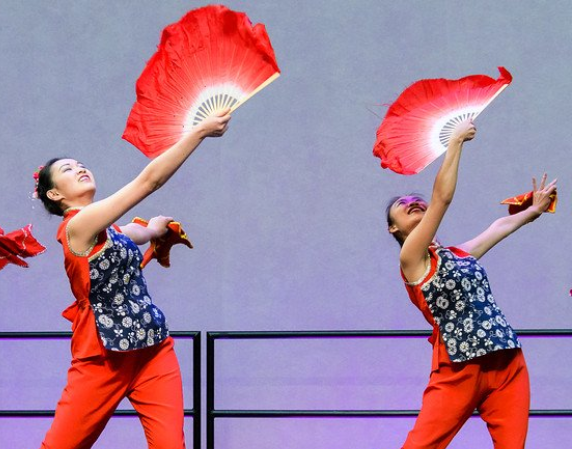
418, 125
210, 60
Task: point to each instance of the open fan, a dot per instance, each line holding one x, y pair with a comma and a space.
210, 60
418, 125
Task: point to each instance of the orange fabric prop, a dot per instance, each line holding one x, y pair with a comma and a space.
522, 202
18, 244
160, 248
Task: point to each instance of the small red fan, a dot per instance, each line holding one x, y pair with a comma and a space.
418, 125
160, 248
210, 60
522, 202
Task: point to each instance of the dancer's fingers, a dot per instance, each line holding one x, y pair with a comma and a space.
543, 180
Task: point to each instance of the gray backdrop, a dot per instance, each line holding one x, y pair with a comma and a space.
286, 210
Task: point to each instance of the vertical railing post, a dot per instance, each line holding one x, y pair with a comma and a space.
197, 391
210, 391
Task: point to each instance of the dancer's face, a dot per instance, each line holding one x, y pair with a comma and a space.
405, 214
74, 184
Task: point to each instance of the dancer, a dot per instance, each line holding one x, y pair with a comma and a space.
120, 345
477, 360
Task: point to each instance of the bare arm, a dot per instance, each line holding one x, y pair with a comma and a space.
505, 226
92, 219
414, 254
141, 235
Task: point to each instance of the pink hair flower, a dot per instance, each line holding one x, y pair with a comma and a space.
36, 176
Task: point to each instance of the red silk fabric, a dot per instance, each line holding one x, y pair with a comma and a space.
17, 245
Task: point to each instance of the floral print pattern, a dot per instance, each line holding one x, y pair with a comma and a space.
125, 315
461, 302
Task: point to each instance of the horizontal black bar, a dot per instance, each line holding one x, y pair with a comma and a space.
289, 334
67, 334
49, 413
349, 413
544, 332
391, 333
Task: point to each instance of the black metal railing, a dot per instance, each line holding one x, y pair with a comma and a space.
194, 412
212, 413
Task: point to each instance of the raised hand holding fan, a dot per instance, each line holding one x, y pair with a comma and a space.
418, 125
210, 60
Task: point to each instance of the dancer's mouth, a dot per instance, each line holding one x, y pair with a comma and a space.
415, 209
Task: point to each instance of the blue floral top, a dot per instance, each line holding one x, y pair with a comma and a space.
126, 317
459, 298
108, 279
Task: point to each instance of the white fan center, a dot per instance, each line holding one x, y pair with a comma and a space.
444, 127
213, 99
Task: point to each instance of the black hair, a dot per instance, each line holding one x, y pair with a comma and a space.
45, 184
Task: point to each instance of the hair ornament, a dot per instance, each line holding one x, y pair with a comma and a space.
36, 176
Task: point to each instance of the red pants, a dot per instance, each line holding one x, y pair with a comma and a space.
149, 377
496, 385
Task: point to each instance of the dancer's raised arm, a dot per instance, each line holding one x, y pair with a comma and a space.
418, 235
505, 226
74, 185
